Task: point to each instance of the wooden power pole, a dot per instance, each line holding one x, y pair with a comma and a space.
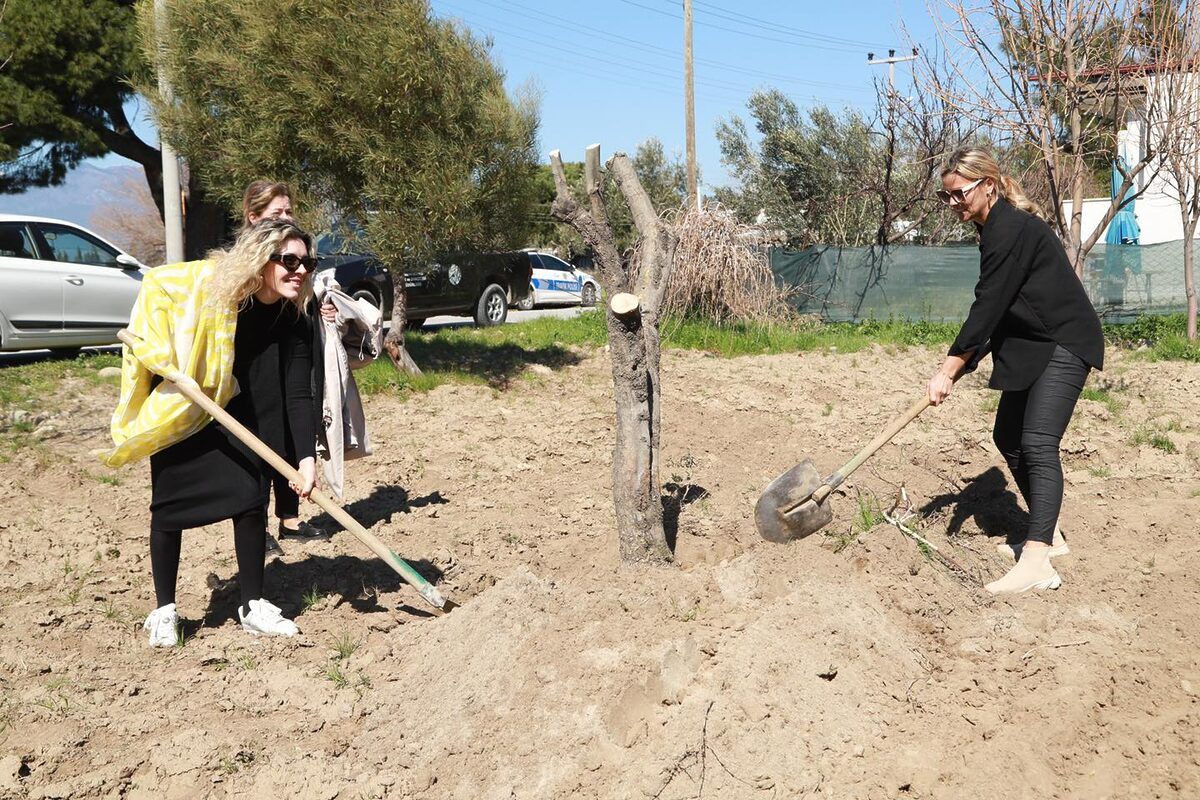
689, 106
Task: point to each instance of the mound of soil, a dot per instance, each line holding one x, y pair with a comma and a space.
857, 663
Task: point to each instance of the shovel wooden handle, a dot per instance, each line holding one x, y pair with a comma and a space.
402, 567
885, 436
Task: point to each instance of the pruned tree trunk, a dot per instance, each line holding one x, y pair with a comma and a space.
635, 291
393, 343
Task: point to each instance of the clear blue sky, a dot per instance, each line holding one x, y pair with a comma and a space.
611, 71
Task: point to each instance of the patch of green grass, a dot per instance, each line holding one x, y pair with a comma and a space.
108, 480
246, 663
335, 675
1156, 439
113, 611
311, 598
1103, 397
344, 646
741, 338
867, 514
1100, 472
825, 412
33, 386
990, 402
1164, 336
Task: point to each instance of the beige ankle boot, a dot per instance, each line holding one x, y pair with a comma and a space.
1058, 546
1032, 571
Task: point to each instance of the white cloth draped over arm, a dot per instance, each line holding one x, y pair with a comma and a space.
355, 339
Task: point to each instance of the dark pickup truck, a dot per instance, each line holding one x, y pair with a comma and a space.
477, 285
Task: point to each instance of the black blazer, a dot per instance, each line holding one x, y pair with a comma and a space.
1027, 300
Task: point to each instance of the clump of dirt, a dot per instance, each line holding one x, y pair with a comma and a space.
856, 663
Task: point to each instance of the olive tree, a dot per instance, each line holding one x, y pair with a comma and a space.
398, 119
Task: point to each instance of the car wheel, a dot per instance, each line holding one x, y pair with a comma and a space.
414, 324
526, 302
368, 295
588, 296
492, 308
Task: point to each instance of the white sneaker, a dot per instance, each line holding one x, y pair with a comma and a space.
163, 624
1058, 546
266, 620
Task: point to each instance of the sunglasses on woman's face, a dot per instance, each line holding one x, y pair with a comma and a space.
956, 195
292, 262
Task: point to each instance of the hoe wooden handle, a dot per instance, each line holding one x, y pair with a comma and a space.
885, 436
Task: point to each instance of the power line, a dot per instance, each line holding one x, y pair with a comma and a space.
771, 25
793, 41
646, 48
739, 90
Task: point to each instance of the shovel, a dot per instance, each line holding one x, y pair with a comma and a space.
192, 391
793, 505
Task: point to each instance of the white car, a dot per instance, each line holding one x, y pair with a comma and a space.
554, 281
62, 286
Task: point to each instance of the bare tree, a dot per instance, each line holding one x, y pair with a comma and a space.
133, 222
1061, 76
1176, 133
918, 131
635, 289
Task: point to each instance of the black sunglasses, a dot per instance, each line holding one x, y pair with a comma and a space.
292, 262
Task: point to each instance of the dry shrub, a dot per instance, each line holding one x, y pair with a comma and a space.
720, 274
132, 221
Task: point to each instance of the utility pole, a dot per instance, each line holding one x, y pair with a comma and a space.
172, 201
892, 60
689, 106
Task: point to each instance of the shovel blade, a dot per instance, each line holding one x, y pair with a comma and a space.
792, 490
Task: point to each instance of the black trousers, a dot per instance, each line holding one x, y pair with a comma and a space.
1029, 427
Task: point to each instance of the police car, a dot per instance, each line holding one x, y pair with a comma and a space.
556, 282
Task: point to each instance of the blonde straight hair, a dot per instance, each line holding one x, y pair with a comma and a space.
239, 270
974, 163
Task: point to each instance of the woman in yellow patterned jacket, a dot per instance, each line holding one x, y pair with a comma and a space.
234, 325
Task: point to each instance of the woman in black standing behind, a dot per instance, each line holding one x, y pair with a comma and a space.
1033, 315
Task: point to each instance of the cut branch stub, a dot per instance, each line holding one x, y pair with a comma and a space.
623, 304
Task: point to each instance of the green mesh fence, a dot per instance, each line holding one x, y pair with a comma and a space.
938, 283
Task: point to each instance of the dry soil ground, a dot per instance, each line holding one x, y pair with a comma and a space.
847, 665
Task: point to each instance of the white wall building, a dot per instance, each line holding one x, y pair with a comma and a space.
1156, 209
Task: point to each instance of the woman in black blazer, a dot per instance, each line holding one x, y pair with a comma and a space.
1031, 313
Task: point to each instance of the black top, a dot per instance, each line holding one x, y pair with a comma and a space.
212, 475
1027, 300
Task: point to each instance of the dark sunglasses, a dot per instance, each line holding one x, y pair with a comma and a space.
956, 195
292, 262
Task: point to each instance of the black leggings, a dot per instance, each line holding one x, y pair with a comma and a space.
249, 542
1029, 426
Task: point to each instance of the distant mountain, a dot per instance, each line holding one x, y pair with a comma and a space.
86, 190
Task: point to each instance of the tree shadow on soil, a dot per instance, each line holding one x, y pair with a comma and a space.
675, 497
379, 506
498, 363
353, 580
989, 500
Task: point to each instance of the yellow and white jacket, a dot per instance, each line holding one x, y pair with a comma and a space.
183, 338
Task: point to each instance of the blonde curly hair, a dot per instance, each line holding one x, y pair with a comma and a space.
974, 163
239, 270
